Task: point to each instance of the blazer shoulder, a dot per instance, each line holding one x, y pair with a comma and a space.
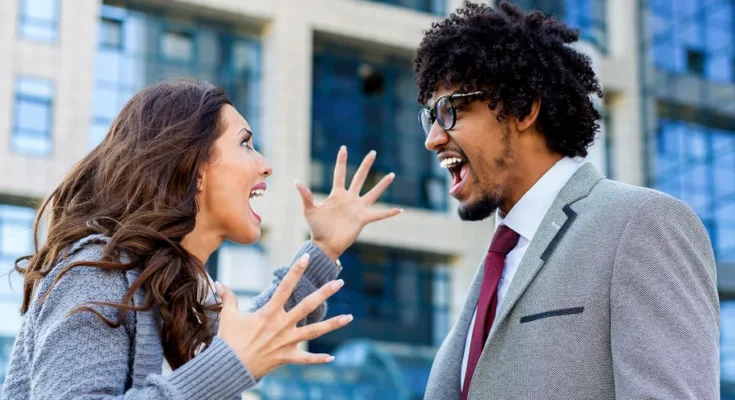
631, 196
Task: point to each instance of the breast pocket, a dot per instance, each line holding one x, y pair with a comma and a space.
552, 314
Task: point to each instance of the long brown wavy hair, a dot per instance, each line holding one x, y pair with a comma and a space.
138, 187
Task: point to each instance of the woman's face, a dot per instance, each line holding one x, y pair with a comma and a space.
230, 180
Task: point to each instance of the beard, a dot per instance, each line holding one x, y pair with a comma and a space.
482, 208
490, 197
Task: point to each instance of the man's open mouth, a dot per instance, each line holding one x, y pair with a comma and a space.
459, 169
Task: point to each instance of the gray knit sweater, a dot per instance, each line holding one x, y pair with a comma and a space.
77, 356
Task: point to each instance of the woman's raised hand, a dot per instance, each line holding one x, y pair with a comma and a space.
336, 222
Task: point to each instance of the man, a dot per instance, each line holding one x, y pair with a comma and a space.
591, 288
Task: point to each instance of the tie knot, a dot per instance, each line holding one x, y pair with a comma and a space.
504, 240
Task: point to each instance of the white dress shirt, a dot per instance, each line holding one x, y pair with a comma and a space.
525, 218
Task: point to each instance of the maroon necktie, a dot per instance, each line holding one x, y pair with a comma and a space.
504, 241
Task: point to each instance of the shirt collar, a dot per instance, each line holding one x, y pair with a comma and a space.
526, 216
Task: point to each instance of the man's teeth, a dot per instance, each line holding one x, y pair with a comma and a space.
257, 193
450, 162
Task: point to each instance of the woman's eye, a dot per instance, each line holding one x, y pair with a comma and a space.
246, 144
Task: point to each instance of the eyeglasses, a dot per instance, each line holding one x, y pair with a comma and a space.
443, 112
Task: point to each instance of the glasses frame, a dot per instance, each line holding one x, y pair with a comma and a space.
433, 110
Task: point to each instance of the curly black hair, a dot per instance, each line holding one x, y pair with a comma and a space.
519, 57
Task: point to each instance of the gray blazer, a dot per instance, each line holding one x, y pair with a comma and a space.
616, 297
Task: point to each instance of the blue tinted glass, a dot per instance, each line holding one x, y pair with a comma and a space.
154, 47
33, 87
394, 296
586, 15
431, 6
39, 20
30, 143
32, 116
110, 33
40, 9
372, 106
177, 46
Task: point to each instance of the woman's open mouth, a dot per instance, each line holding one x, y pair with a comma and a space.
256, 192
459, 169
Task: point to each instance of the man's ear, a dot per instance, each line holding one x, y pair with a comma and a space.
530, 119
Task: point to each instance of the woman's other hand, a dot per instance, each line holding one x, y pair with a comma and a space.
267, 339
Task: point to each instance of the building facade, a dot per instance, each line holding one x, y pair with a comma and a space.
311, 75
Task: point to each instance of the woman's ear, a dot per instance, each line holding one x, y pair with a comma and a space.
200, 182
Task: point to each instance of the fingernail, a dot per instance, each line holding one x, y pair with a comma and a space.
400, 211
305, 257
373, 152
343, 147
338, 284
329, 359
346, 319
392, 175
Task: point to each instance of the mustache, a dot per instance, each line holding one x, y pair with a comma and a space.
457, 150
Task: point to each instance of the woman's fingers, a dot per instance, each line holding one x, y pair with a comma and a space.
288, 284
340, 169
311, 302
375, 215
307, 198
229, 299
303, 357
313, 331
361, 175
374, 194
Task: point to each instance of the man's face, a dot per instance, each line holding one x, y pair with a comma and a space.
479, 152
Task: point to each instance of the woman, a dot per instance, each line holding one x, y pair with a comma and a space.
118, 290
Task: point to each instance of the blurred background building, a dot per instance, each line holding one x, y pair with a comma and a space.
311, 75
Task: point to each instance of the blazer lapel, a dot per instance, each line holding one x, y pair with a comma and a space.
444, 381
554, 226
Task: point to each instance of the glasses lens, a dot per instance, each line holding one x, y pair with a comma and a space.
445, 113
425, 119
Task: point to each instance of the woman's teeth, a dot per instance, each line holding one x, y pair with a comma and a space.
257, 193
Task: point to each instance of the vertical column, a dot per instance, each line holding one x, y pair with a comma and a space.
287, 70
8, 29
626, 112
75, 81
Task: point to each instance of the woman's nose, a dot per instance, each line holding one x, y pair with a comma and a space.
265, 169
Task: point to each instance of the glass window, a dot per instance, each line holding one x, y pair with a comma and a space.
695, 61
588, 16
139, 48
177, 46
691, 37
16, 240
368, 105
696, 164
39, 20
430, 6
727, 346
32, 121
111, 33
395, 296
